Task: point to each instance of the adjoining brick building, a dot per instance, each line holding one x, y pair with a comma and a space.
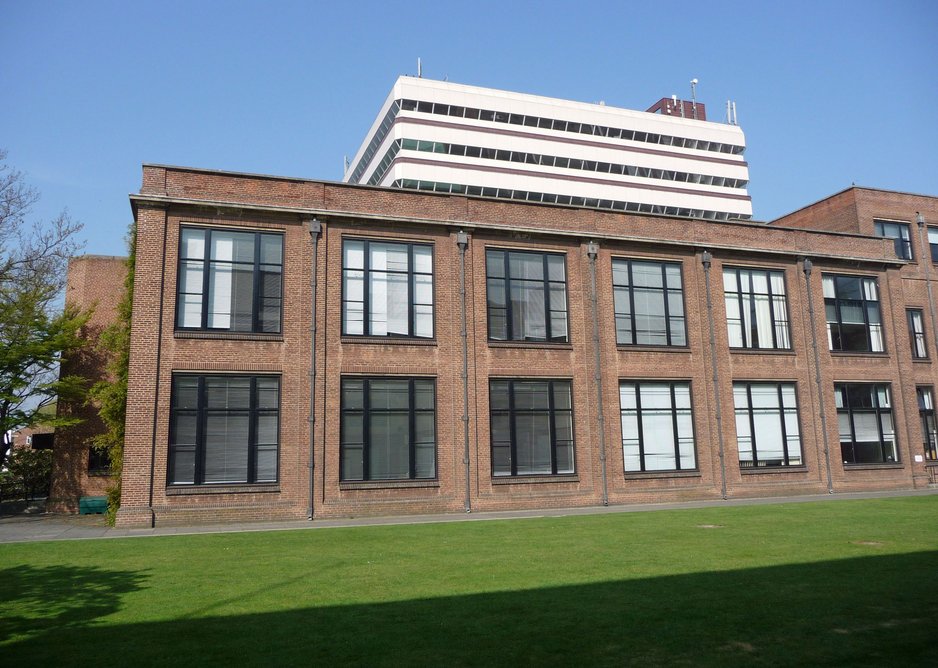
305, 348
78, 470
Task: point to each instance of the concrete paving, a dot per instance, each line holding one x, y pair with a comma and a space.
35, 525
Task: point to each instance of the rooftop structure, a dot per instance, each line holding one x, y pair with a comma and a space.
446, 137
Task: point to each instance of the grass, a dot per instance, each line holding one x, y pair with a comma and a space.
831, 583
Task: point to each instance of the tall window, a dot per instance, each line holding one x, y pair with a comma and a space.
854, 322
649, 303
229, 281
767, 431
527, 296
917, 333
899, 233
388, 429
387, 289
926, 412
224, 429
532, 427
756, 312
933, 243
864, 416
657, 426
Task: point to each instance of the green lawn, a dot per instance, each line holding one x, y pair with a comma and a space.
831, 583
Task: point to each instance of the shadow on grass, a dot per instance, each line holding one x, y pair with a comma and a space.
867, 611
53, 599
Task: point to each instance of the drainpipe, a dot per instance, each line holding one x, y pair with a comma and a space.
314, 227
706, 259
462, 240
920, 219
807, 265
592, 251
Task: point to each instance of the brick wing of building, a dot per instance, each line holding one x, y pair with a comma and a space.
313, 349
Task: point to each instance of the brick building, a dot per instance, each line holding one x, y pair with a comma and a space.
305, 348
93, 281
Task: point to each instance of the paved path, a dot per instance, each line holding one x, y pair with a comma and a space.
38, 526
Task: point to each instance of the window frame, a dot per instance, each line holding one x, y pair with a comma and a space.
366, 412
546, 284
207, 263
201, 414
879, 229
917, 341
779, 410
933, 245
367, 272
774, 322
672, 386
512, 412
665, 290
837, 302
926, 415
875, 410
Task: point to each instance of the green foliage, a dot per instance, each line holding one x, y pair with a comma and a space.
34, 340
32, 471
111, 395
36, 335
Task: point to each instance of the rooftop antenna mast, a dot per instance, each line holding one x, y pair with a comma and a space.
419, 69
693, 96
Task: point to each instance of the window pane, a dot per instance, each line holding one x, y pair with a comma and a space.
226, 448
389, 457
192, 244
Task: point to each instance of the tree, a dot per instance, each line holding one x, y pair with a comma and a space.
35, 331
111, 395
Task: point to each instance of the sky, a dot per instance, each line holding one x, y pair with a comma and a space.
829, 94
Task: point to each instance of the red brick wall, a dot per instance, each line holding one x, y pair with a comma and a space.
349, 211
93, 282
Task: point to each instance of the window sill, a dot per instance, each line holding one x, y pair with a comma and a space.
552, 345
763, 351
388, 340
850, 353
639, 348
931, 463
182, 490
387, 484
534, 479
230, 336
99, 474
921, 360
773, 469
872, 467
653, 475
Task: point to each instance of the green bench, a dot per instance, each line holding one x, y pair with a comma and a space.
92, 505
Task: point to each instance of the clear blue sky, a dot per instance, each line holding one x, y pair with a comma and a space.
828, 93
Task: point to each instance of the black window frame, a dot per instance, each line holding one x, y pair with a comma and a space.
875, 409
780, 410
512, 412
202, 411
750, 338
99, 462
837, 303
902, 244
207, 263
366, 411
917, 341
926, 413
508, 309
933, 245
666, 291
411, 288
675, 431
